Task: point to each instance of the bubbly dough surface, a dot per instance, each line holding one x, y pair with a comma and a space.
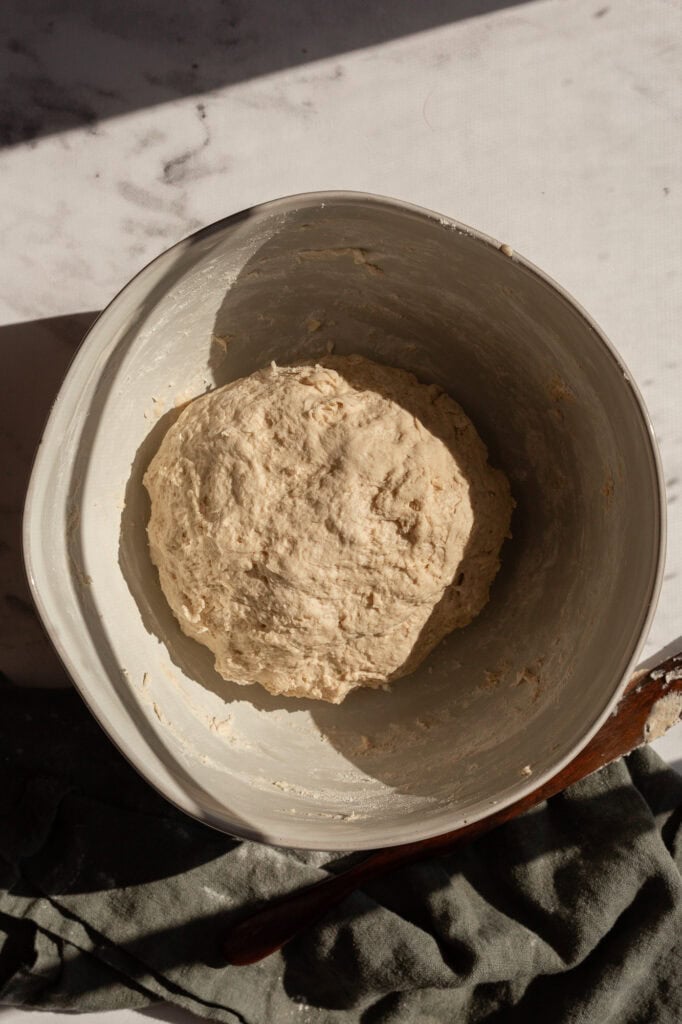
322, 527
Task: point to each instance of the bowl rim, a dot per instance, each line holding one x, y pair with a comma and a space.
88, 348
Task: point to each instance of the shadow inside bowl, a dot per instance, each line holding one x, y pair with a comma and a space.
514, 692
371, 725
311, 288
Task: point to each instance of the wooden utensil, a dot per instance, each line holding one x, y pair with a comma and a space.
652, 703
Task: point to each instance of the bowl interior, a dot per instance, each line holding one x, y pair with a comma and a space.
519, 689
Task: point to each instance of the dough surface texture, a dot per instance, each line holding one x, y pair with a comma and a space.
321, 527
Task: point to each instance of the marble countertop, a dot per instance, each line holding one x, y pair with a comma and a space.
553, 126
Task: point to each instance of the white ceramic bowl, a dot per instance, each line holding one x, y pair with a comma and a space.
498, 707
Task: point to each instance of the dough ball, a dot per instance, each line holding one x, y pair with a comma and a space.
322, 527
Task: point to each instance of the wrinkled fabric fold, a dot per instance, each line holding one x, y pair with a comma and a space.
110, 898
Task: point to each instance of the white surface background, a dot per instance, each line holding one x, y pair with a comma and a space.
553, 125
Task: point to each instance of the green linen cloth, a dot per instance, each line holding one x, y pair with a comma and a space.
110, 898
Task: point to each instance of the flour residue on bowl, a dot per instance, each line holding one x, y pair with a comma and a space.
451, 308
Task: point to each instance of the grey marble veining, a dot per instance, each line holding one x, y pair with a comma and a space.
555, 127
73, 63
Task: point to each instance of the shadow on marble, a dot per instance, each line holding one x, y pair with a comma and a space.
35, 357
674, 647
76, 64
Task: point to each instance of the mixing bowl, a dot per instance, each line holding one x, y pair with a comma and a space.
499, 706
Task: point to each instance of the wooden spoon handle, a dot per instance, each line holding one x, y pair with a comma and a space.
651, 704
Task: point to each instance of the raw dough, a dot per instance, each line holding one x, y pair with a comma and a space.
322, 527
